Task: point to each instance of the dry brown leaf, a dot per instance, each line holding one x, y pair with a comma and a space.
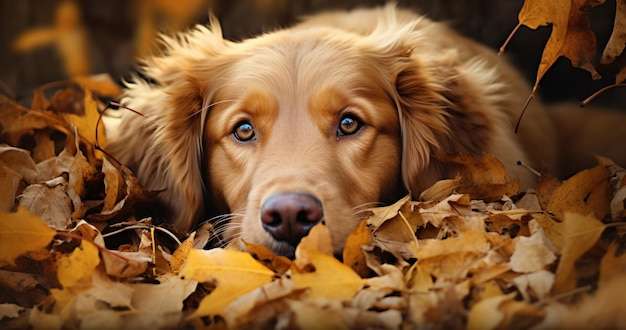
482, 178
535, 285
180, 254
353, 254
451, 258
534, 253
159, 305
571, 35
573, 195
49, 201
580, 233
114, 185
615, 46
278, 264
393, 228
440, 190
19, 160
9, 184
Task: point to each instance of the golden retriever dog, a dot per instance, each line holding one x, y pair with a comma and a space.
345, 111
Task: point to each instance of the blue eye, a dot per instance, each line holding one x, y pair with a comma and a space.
244, 131
349, 125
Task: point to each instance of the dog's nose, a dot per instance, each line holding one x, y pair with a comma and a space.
289, 217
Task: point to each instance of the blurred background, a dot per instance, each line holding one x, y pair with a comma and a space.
46, 41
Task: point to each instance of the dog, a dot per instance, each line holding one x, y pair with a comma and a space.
317, 122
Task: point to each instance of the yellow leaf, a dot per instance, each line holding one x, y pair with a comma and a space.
580, 233
86, 123
612, 265
572, 196
450, 258
318, 239
234, 273
113, 184
353, 255
180, 255
101, 84
329, 278
79, 264
22, 232
439, 190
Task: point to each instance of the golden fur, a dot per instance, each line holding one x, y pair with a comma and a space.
419, 89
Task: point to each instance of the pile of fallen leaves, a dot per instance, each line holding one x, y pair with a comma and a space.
77, 250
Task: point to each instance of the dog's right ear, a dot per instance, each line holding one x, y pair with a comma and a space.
165, 147
447, 101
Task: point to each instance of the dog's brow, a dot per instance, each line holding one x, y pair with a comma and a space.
208, 107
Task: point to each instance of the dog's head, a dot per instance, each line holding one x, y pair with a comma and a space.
300, 126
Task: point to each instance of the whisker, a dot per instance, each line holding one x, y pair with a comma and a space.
208, 107
367, 206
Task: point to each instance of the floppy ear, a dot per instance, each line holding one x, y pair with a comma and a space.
446, 105
165, 147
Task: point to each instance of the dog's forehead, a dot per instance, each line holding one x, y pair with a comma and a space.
303, 61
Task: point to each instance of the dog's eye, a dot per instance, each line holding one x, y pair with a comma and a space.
244, 131
349, 125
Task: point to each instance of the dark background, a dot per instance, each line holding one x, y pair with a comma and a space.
114, 29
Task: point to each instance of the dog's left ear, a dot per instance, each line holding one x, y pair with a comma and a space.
165, 146
445, 105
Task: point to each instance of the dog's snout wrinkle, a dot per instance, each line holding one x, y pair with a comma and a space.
289, 217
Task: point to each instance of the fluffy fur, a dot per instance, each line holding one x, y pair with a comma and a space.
419, 90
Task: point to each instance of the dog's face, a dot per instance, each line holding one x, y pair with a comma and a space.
300, 126
301, 131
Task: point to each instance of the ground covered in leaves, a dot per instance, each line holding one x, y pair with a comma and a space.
77, 249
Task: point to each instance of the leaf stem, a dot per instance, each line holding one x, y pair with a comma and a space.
602, 90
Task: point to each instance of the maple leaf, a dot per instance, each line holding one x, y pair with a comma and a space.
571, 35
